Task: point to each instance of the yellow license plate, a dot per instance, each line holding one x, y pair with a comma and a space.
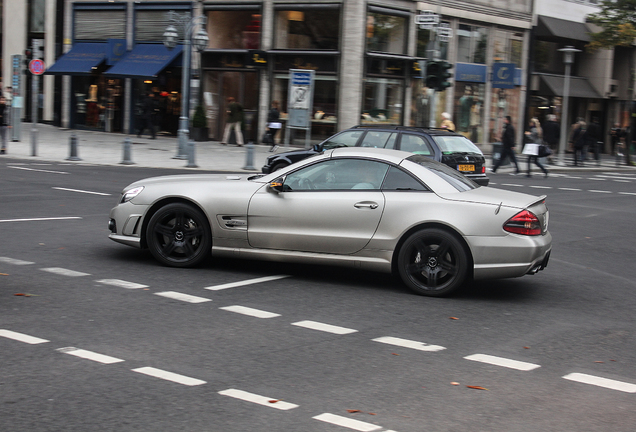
466, 168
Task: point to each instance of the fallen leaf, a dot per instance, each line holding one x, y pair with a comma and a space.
454, 383
274, 400
372, 413
526, 347
4, 274
599, 362
477, 387
18, 294
394, 354
612, 360
353, 411
453, 318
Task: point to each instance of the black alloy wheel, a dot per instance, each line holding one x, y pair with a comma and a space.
432, 262
178, 235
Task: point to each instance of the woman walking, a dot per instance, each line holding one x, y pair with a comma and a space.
273, 125
534, 135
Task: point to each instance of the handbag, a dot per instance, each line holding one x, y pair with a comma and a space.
267, 138
544, 150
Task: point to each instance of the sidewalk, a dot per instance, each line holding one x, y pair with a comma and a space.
101, 148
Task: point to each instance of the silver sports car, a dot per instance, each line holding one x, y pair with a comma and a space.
375, 209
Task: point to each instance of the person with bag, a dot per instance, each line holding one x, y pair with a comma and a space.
273, 126
508, 141
234, 120
535, 140
593, 137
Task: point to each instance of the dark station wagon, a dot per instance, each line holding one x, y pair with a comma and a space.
443, 145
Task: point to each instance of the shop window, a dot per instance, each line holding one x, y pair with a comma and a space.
508, 47
37, 16
423, 39
547, 58
307, 29
324, 111
504, 102
382, 102
386, 33
472, 42
234, 29
468, 115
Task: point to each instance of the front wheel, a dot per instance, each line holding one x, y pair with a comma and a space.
178, 235
432, 262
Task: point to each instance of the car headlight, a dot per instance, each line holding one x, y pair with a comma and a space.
130, 194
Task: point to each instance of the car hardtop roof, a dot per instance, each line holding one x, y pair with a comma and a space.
429, 130
389, 155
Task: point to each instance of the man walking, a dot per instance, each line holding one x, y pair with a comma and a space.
552, 133
234, 120
508, 141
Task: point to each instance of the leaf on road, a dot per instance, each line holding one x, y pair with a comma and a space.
394, 354
453, 318
25, 295
454, 383
477, 388
599, 362
526, 347
353, 411
4, 274
274, 400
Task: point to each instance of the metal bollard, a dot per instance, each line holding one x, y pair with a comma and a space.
73, 149
190, 150
249, 156
127, 159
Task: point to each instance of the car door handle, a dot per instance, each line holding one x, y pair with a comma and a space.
370, 205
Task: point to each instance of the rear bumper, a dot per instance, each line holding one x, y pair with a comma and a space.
480, 179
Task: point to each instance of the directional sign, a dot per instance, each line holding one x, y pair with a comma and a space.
427, 19
36, 67
444, 32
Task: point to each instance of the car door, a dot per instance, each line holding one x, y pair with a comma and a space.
333, 206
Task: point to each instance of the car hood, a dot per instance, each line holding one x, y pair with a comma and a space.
494, 196
189, 178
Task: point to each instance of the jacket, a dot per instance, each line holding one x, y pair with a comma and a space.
508, 136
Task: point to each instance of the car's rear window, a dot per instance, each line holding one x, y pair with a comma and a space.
455, 144
453, 177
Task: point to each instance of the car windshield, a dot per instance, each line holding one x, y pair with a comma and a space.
453, 177
455, 144
347, 138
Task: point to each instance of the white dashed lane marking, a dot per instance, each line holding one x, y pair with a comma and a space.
627, 193
504, 362
570, 189
64, 272
15, 261
599, 191
183, 297
169, 376
324, 327
246, 282
250, 312
89, 355
257, 399
21, 337
81, 191
601, 382
38, 170
421, 346
121, 283
40, 219
347, 422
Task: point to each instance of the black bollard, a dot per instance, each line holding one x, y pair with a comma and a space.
127, 158
73, 150
249, 156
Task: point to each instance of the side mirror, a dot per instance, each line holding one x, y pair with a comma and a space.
318, 148
276, 185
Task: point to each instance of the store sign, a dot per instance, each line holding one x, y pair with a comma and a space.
115, 50
503, 75
470, 72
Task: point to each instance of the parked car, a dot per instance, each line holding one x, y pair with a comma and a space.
442, 145
368, 208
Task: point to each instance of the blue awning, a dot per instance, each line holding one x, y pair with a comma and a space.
80, 60
144, 61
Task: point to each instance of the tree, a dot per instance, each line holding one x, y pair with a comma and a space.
617, 19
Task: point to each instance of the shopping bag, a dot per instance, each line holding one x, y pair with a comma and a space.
531, 149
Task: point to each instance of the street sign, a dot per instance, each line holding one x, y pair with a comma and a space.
444, 32
36, 67
427, 20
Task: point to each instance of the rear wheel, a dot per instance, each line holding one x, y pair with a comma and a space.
178, 235
432, 262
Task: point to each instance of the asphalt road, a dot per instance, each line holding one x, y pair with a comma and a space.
105, 339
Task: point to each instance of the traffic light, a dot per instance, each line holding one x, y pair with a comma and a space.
432, 74
437, 75
444, 75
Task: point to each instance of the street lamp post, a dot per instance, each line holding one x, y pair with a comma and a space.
568, 59
200, 41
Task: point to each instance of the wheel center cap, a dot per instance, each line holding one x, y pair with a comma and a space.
432, 262
178, 236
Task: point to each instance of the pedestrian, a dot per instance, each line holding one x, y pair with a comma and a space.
447, 123
552, 133
593, 138
4, 114
578, 142
234, 120
147, 116
534, 135
615, 135
273, 125
508, 141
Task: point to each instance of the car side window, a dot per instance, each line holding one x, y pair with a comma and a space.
415, 144
345, 139
399, 180
338, 174
379, 139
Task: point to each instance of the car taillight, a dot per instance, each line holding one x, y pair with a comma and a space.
483, 169
524, 223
